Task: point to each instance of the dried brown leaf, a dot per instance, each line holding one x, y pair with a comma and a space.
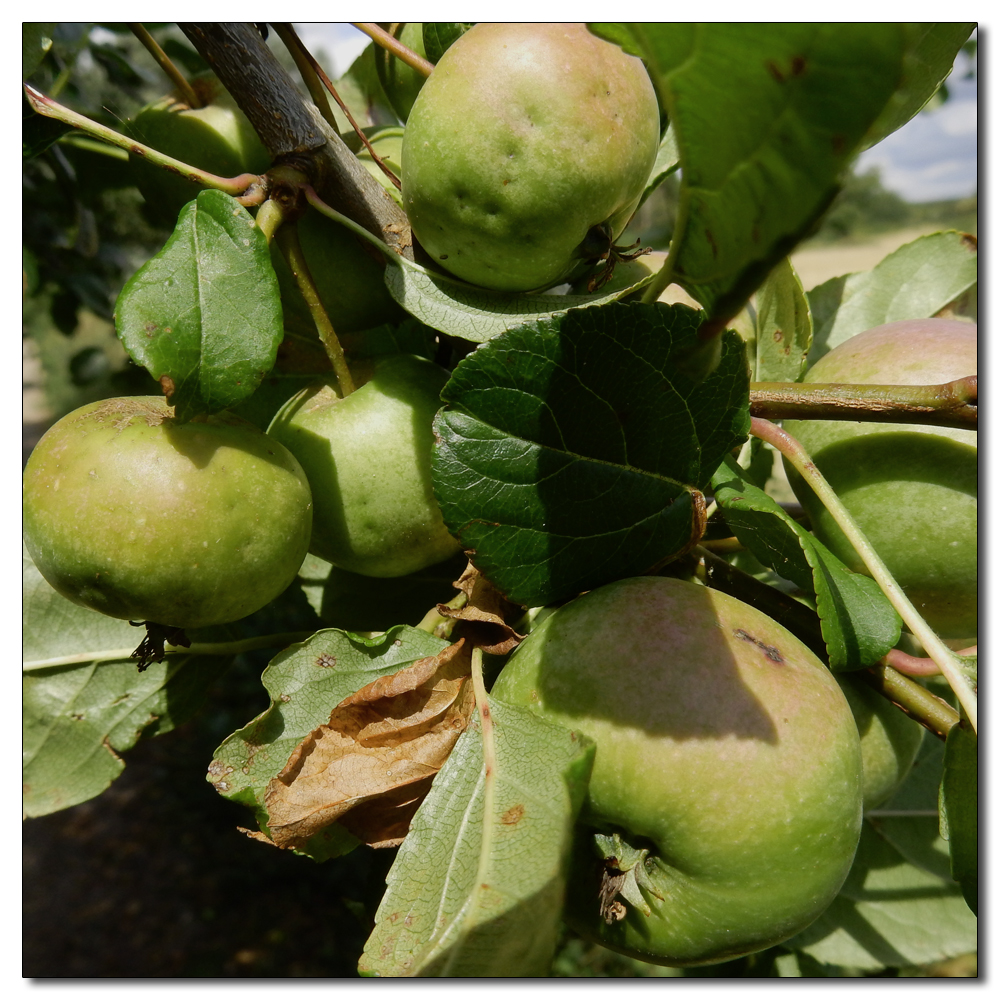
485, 613
373, 762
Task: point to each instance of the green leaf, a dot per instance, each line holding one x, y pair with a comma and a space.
478, 314
80, 713
475, 895
306, 682
931, 50
898, 907
205, 311
571, 450
438, 37
767, 117
36, 40
859, 624
915, 282
784, 326
960, 795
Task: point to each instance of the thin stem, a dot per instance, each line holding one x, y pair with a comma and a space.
952, 404
331, 213
180, 81
291, 248
936, 649
307, 70
916, 701
248, 189
919, 666
391, 44
237, 646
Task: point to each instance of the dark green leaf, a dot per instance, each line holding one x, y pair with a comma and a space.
960, 796
306, 682
930, 54
478, 896
571, 450
440, 36
767, 118
915, 282
205, 311
83, 699
784, 326
859, 624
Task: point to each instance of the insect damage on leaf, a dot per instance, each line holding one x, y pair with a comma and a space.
370, 766
485, 613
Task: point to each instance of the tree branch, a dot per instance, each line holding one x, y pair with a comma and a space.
294, 131
953, 404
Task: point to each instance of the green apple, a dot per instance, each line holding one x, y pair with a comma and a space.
216, 137
727, 763
524, 139
889, 740
368, 459
134, 515
912, 488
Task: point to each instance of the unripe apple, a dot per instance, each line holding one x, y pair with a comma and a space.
724, 749
524, 138
139, 517
889, 740
912, 488
368, 459
216, 137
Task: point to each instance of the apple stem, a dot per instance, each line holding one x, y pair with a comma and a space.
247, 189
179, 80
952, 404
944, 657
291, 248
489, 781
392, 44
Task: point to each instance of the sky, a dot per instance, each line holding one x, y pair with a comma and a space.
933, 157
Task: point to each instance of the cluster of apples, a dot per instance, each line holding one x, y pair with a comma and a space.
732, 767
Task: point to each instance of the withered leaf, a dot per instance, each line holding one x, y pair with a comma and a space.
372, 763
485, 613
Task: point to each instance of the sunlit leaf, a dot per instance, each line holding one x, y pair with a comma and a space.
203, 315
477, 894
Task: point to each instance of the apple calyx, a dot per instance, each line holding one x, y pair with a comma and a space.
151, 650
624, 874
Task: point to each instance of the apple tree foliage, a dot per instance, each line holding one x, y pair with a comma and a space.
584, 436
